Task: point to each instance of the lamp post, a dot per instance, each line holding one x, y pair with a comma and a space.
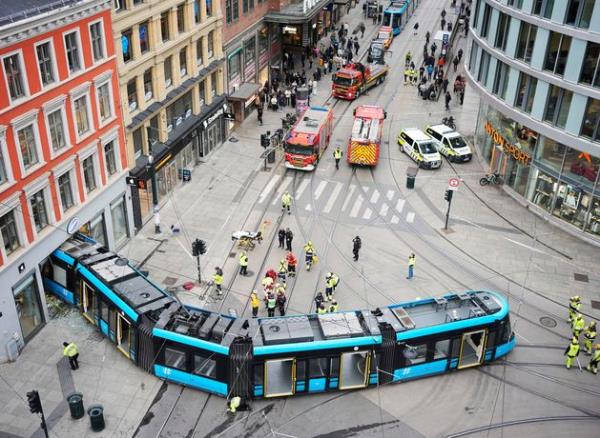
152, 170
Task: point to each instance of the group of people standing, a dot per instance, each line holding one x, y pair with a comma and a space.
589, 336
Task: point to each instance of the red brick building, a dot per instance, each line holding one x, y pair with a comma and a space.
62, 148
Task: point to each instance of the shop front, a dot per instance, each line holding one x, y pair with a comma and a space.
556, 180
243, 101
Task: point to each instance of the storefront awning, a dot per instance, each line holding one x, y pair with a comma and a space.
244, 92
295, 13
340, 2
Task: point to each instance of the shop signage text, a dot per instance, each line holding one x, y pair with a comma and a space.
308, 4
506, 146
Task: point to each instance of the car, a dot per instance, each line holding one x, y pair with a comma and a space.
450, 143
387, 35
420, 147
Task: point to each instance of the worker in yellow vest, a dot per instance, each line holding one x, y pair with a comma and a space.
337, 155
254, 303
589, 336
243, 263
218, 280
71, 352
593, 365
572, 352
578, 325
574, 307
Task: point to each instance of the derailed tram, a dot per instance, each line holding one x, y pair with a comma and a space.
279, 356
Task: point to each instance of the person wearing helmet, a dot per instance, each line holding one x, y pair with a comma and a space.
309, 251
578, 325
572, 352
282, 271
574, 307
254, 303
333, 307
593, 365
589, 336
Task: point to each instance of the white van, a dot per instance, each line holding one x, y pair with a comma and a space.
420, 147
450, 143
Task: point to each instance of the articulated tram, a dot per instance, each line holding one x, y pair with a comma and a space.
275, 357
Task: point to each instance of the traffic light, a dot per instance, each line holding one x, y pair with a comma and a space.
265, 141
35, 404
448, 195
201, 246
198, 247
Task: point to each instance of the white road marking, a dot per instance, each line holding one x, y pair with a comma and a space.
365, 189
384, 210
400, 205
520, 336
348, 197
410, 217
525, 246
330, 203
268, 188
356, 206
389, 195
308, 207
320, 188
284, 185
394, 219
367, 214
374, 197
301, 188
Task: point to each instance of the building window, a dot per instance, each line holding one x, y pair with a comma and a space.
502, 32
14, 76
138, 142
213, 84
209, 8
89, 174
168, 67
557, 106
500, 80
484, 65
28, 146
120, 5
236, 9
251, 4
3, 175
579, 13
485, 24
29, 309
110, 158
199, 60
132, 94
202, 92
38, 211
56, 130
183, 62
65, 191
589, 127
525, 92
228, 11
73, 52
197, 15
543, 8
476, 14
126, 45
181, 18
81, 115
97, 38
178, 111
44, 58
210, 43
148, 93
144, 39
589, 70
119, 220
10, 234
103, 95
526, 41
234, 66
164, 26
244, 7
556, 55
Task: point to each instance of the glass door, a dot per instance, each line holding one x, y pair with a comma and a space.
87, 301
472, 349
123, 335
280, 377
354, 369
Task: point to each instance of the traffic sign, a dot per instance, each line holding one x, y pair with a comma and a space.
453, 183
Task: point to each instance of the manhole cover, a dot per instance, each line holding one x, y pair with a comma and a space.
170, 281
233, 139
595, 304
546, 321
581, 277
232, 254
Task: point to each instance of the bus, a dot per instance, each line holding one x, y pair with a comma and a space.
308, 138
363, 146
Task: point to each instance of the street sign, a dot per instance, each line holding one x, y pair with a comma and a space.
453, 183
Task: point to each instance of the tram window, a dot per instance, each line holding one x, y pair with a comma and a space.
205, 366
174, 358
335, 367
441, 349
506, 332
415, 354
259, 372
103, 310
318, 367
301, 370
455, 347
491, 339
374, 362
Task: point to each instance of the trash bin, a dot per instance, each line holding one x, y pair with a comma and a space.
75, 401
411, 175
271, 156
96, 417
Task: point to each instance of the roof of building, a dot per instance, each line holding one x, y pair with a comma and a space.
13, 11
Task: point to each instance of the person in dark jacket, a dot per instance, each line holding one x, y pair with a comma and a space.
447, 100
281, 236
356, 244
289, 236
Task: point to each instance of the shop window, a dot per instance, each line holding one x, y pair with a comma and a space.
589, 127
557, 106
526, 40
592, 224
148, 88
119, 221
525, 92
126, 45
544, 186
485, 23
183, 70
263, 40
175, 358
10, 233
415, 354
29, 309
581, 168
571, 204
164, 26
199, 52
144, 37
39, 211
502, 32
181, 18
132, 94
95, 229
550, 153
234, 69
500, 80
168, 69
205, 366
579, 13
557, 52
543, 8
589, 70
318, 367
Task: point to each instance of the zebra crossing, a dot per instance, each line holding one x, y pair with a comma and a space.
359, 202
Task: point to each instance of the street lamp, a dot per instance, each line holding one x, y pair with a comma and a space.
152, 170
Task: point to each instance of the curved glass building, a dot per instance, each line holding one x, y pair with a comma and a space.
536, 66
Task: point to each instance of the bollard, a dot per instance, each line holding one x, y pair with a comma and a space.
75, 401
96, 414
411, 175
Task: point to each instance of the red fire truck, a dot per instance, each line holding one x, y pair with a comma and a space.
363, 146
308, 138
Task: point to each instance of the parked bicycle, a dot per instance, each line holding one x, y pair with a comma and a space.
449, 122
491, 179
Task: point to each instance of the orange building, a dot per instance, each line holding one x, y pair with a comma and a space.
62, 149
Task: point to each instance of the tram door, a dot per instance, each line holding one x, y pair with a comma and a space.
472, 349
87, 301
123, 335
280, 377
354, 369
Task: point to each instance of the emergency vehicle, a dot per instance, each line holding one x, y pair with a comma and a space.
450, 143
308, 138
356, 78
363, 146
420, 147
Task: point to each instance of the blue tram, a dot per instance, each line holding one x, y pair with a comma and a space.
396, 15
275, 357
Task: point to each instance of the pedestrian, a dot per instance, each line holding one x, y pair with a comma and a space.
71, 352
293, 97
218, 280
356, 244
292, 261
445, 84
314, 87
429, 71
254, 303
467, 26
364, 8
577, 325
374, 18
443, 13
415, 28
427, 36
259, 113
447, 99
593, 365
574, 307
280, 300
411, 266
310, 63
443, 23
271, 302
572, 352
362, 29
460, 54
455, 62
274, 105
289, 236
321, 310
267, 284
337, 155
333, 307
462, 96
282, 271
303, 59
234, 404
286, 202
421, 73
433, 48
589, 336
309, 254
281, 236
329, 288
288, 97
356, 46
319, 300
243, 263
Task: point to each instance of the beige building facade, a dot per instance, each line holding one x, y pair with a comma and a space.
170, 64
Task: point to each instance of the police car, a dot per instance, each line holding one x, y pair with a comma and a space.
450, 143
420, 147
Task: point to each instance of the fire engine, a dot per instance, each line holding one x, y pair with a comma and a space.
308, 138
363, 146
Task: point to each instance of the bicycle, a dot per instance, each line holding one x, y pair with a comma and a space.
491, 179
